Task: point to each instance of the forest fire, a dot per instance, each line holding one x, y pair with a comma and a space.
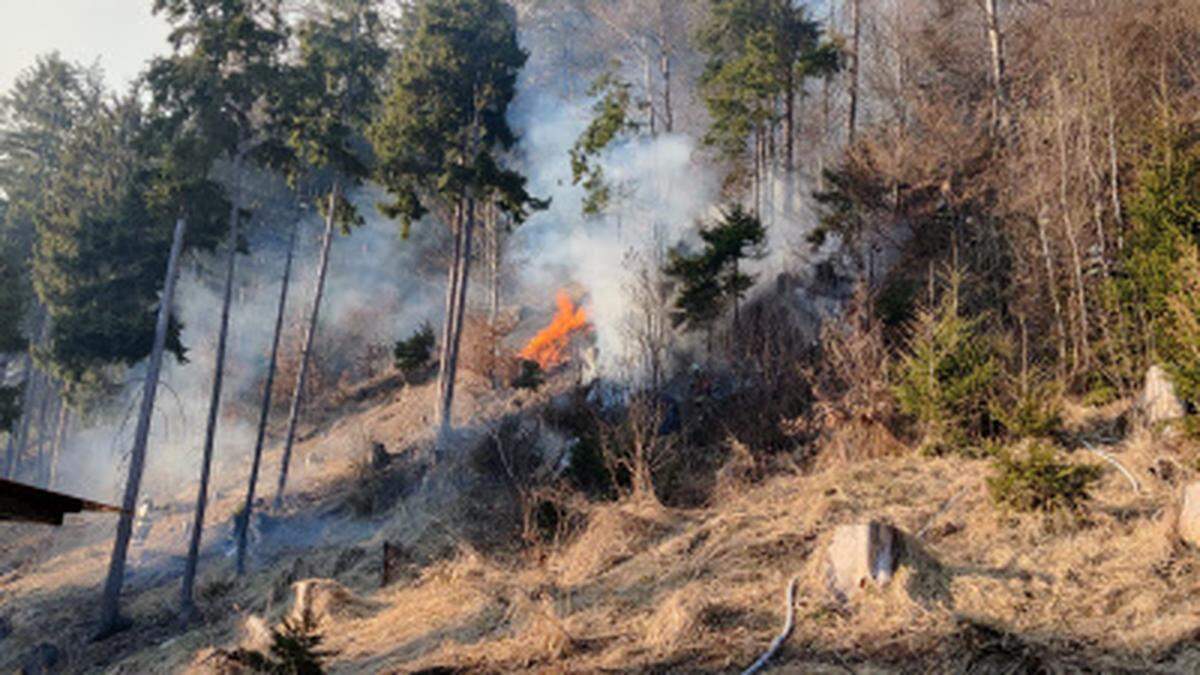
548, 348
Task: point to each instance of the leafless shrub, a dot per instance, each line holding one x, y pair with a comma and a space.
484, 351
636, 446
853, 405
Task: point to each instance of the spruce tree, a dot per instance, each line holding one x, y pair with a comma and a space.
335, 92
220, 81
712, 280
440, 135
37, 118
760, 53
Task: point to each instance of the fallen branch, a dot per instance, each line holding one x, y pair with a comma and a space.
788, 624
941, 512
1137, 488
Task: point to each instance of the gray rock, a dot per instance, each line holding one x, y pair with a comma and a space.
6, 628
861, 554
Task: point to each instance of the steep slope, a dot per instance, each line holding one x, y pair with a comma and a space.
638, 587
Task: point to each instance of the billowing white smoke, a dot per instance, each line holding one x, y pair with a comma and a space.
660, 192
375, 294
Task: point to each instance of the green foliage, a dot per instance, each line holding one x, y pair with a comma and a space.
1158, 287
759, 51
13, 301
946, 375
1039, 481
37, 117
441, 128
530, 376
711, 279
295, 650
1028, 406
101, 252
226, 65
413, 354
612, 119
12, 310
332, 95
896, 303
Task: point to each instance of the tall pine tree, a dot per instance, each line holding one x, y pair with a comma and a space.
440, 136
335, 93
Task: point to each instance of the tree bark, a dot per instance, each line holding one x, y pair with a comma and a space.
452, 282
187, 588
852, 113
996, 49
15, 437
47, 411
243, 522
464, 271
310, 333
1052, 289
648, 85
1081, 342
494, 243
665, 71
110, 618
34, 391
60, 435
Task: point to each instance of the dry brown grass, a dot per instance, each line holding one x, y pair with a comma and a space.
641, 587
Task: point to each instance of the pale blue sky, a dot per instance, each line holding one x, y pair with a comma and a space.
122, 34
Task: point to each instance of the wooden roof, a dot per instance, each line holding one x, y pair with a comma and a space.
24, 503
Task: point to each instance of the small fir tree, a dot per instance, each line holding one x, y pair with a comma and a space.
946, 374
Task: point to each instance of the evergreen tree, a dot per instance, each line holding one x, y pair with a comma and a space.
947, 374
613, 119
335, 94
440, 133
711, 279
1157, 286
12, 343
760, 53
100, 254
218, 84
37, 118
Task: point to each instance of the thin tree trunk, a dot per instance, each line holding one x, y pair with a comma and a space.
852, 113
60, 435
1081, 343
452, 282
34, 392
45, 408
110, 617
996, 48
243, 523
493, 228
310, 333
789, 146
1052, 289
665, 71
187, 588
648, 85
1114, 167
16, 443
494, 264
464, 265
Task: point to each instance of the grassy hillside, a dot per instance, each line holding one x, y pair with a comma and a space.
633, 586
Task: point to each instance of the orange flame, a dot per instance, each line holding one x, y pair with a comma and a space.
548, 347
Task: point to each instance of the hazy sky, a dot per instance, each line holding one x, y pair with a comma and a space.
122, 34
